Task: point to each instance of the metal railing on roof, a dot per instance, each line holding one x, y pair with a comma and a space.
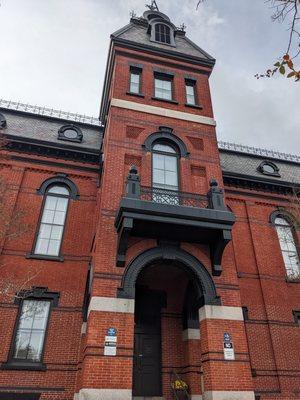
259, 152
49, 112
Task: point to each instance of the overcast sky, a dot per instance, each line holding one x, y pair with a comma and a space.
53, 53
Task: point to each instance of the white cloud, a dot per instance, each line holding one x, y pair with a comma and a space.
54, 53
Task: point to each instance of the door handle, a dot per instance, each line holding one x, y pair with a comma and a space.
140, 355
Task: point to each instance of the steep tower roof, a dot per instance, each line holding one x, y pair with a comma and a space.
141, 32
154, 33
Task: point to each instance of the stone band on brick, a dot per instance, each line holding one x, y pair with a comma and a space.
111, 304
228, 395
221, 312
191, 334
165, 112
105, 394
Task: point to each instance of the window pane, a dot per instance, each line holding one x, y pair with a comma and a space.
135, 77
281, 221
35, 346
171, 179
158, 176
50, 203
56, 232
22, 344
59, 190
61, 204
163, 88
158, 161
158, 83
164, 147
41, 310
170, 163
190, 99
189, 90
48, 216
53, 248
45, 231
41, 246
134, 82
59, 217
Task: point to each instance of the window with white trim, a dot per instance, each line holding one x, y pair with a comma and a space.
285, 232
52, 222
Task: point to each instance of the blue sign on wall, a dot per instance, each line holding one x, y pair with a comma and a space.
227, 337
111, 332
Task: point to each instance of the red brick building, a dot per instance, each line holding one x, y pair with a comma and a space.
151, 261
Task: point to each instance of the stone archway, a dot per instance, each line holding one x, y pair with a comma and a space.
198, 274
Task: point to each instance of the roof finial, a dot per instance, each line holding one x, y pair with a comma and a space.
153, 6
132, 14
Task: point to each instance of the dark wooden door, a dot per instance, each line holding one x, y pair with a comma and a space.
147, 344
147, 366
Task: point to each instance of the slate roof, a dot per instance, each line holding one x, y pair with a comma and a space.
247, 164
44, 128
136, 31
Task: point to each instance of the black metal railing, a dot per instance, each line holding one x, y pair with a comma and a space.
173, 197
214, 199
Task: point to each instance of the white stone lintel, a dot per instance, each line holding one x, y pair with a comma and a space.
111, 304
228, 395
191, 334
196, 397
105, 394
165, 112
221, 312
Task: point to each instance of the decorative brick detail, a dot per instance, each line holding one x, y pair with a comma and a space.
132, 160
197, 143
198, 171
133, 132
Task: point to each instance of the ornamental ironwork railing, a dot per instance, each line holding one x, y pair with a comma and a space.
173, 197
49, 112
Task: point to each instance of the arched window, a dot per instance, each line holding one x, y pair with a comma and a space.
162, 33
285, 232
53, 217
165, 174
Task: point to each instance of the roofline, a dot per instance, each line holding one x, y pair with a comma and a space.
49, 113
257, 152
252, 178
175, 55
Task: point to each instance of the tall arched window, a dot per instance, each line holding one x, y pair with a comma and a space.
165, 173
53, 217
164, 166
162, 33
285, 232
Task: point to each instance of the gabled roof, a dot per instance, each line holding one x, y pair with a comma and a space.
136, 32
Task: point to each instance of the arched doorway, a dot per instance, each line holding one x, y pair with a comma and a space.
169, 286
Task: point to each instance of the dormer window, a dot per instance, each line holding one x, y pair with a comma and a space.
268, 168
70, 133
162, 33
160, 28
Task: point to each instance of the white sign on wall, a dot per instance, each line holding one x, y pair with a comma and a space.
110, 342
228, 351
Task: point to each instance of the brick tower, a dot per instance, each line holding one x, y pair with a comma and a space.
161, 304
